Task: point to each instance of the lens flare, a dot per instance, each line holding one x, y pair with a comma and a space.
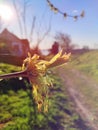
6, 12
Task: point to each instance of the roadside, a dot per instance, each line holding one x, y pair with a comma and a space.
75, 81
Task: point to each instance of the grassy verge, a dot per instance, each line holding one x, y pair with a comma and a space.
83, 72
87, 63
18, 110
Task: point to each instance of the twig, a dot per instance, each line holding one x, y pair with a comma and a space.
56, 10
14, 75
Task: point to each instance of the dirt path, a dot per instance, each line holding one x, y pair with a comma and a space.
77, 97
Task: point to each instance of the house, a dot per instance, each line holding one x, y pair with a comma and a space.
12, 45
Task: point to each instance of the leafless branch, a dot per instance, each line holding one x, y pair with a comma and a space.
18, 17
32, 28
14, 75
24, 16
41, 38
56, 10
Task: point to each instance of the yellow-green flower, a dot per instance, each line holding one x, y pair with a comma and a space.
36, 70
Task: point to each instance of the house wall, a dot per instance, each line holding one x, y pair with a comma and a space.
16, 48
13, 45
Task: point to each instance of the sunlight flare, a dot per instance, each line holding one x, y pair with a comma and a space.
5, 12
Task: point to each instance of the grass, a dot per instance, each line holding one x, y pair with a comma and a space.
85, 78
7, 68
18, 110
87, 63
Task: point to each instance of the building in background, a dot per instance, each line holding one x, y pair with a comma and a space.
12, 45
13, 50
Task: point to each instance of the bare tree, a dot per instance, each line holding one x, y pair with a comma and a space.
43, 35
26, 4
64, 41
32, 28
21, 16
22, 21
18, 17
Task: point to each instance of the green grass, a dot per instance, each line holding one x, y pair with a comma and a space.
87, 63
18, 110
7, 68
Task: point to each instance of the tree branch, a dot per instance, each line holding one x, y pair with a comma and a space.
14, 75
56, 10
18, 17
32, 28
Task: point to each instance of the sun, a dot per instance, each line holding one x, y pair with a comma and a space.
5, 12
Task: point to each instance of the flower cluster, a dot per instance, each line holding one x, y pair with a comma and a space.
36, 70
56, 10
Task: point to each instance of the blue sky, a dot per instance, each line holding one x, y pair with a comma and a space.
84, 31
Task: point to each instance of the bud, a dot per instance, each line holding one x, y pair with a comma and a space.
75, 17
65, 15
55, 10
82, 14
